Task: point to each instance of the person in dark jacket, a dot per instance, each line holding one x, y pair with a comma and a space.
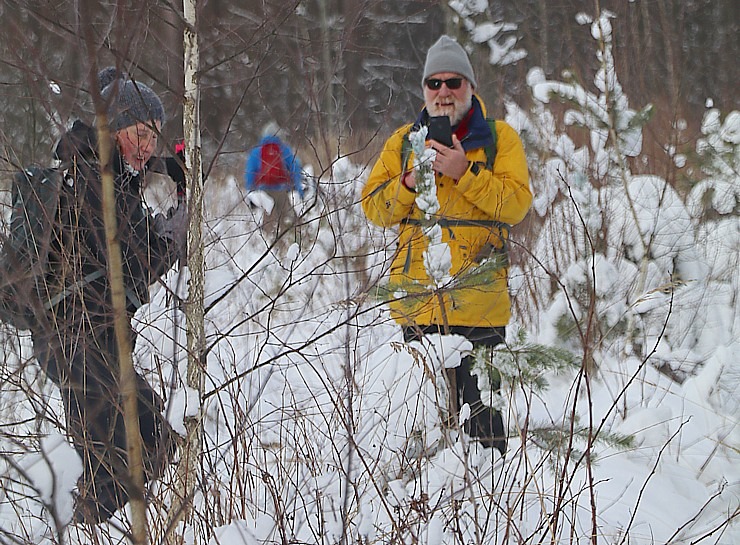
74, 341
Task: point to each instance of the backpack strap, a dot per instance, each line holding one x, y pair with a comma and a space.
493, 148
61, 296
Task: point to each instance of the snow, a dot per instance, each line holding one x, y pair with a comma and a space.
499, 36
437, 256
53, 474
291, 413
261, 199
321, 423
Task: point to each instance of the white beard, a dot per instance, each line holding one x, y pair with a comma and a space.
460, 109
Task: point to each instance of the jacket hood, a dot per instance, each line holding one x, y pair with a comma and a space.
80, 141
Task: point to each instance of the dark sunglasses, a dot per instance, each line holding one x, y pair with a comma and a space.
435, 84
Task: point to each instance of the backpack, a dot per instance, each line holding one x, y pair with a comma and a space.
25, 245
272, 171
490, 150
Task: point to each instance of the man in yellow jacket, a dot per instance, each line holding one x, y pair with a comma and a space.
482, 186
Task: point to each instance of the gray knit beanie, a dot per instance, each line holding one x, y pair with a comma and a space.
446, 55
134, 102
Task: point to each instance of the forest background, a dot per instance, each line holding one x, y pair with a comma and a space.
340, 75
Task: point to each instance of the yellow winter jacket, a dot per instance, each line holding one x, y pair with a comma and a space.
475, 213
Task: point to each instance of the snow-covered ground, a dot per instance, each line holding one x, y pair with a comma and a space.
318, 416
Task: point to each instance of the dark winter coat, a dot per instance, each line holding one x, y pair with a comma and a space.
79, 254
75, 341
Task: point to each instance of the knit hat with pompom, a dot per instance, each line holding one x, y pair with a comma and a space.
129, 102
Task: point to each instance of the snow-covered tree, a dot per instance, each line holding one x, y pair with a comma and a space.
499, 37
632, 278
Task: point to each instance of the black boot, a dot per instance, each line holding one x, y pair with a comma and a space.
485, 423
97, 501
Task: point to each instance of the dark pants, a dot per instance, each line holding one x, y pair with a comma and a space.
485, 423
86, 372
281, 218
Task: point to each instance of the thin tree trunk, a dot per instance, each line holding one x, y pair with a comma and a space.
329, 67
194, 314
129, 391
127, 374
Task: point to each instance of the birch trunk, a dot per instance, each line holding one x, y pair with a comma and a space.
187, 474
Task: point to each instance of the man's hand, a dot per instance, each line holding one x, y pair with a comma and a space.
409, 180
452, 161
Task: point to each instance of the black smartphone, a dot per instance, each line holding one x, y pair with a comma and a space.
440, 130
